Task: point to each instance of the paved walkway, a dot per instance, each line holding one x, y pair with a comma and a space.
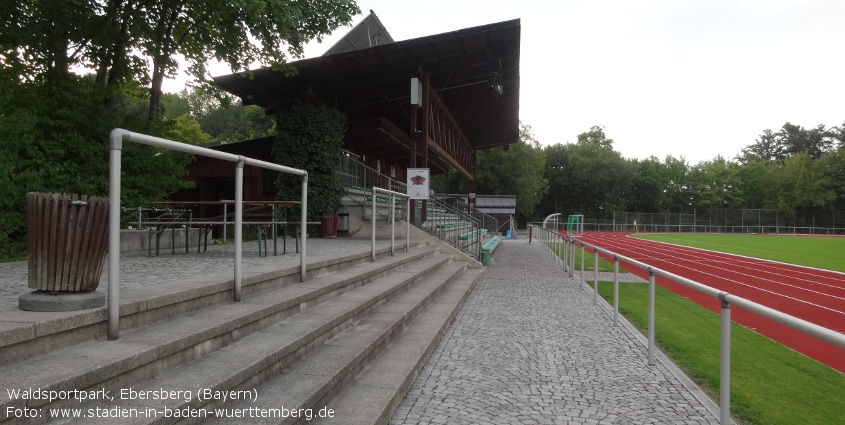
531, 348
136, 268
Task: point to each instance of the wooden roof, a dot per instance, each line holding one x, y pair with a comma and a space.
373, 84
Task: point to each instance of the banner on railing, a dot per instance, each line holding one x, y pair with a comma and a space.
418, 183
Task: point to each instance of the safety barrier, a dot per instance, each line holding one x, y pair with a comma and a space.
563, 247
391, 218
116, 139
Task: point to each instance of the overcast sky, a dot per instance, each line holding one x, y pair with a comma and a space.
691, 78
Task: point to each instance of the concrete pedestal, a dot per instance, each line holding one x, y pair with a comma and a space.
61, 301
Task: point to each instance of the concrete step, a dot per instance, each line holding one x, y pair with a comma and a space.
145, 351
310, 382
27, 334
375, 392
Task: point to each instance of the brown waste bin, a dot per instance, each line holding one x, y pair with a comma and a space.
68, 241
329, 223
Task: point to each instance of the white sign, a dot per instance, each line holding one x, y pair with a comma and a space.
418, 182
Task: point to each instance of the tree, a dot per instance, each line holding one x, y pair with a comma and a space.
832, 167
516, 171
122, 39
800, 184
715, 184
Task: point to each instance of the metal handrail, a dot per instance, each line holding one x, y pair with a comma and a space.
557, 245
116, 139
391, 217
460, 215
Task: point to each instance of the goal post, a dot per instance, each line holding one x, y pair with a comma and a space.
575, 225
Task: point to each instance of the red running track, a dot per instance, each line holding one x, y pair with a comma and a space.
817, 296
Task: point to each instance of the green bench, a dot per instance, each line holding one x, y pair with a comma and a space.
488, 248
465, 236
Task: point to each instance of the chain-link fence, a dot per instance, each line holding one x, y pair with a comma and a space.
727, 220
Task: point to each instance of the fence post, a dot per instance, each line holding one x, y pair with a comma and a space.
725, 362
650, 317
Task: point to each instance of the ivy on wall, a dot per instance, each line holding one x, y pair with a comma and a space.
310, 137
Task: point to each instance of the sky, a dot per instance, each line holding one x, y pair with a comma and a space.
687, 78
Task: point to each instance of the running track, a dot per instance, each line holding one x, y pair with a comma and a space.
817, 296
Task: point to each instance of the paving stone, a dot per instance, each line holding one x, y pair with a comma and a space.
529, 347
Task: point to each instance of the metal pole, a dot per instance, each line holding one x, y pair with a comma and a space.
303, 233
373, 221
615, 291
595, 276
391, 216
650, 317
725, 369
565, 257
116, 144
225, 217
582, 263
239, 219
407, 225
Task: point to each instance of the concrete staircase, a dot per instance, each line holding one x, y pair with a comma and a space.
350, 341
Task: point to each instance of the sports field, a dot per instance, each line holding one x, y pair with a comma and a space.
811, 294
824, 252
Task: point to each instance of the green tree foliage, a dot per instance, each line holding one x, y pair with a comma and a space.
122, 40
54, 138
832, 166
587, 177
800, 183
311, 138
516, 171
715, 184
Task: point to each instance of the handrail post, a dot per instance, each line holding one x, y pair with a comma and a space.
582, 264
725, 363
373, 221
303, 230
115, 147
391, 215
615, 290
595, 275
407, 225
650, 317
565, 257
239, 220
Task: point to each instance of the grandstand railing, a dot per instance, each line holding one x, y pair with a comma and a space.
354, 174
563, 248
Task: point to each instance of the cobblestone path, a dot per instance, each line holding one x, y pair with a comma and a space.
530, 348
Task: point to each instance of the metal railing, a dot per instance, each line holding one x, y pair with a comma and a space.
484, 220
391, 219
564, 248
453, 226
116, 139
354, 174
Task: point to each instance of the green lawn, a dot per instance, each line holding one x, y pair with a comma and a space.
589, 261
770, 384
813, 251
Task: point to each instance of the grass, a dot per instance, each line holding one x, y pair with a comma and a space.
820, 252
770, 384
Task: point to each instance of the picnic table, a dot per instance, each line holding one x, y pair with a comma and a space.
254, 214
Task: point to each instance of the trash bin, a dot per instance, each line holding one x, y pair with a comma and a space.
343, 224
329, 223
67, 236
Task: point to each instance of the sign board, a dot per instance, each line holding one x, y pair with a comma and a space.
418, 183
416, 92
